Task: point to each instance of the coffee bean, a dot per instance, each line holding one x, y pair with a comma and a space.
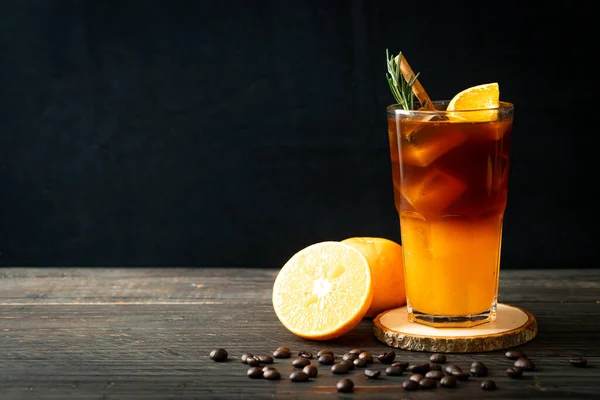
299, 376
428, 383
255, 372
488, 385
253, 361
326, 359
345, 385
478, 369
267, 367
514, 372
435, 367
219, 355
300, 362
271, 374
438, 358
514, 354
416, 377
401, 364
448, 381
437, 375
365, 355
578, 362
311, 371
449, 368
282, 353
394, 371
245, 356
305, 354
340, 368
350, 356
387, 357
419, 368
410, 385
461, 376
355, 351
349, 363
265, 359
360, 362
372, 374
524, 363
321, 352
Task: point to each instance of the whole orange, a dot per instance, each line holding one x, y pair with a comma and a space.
387, 272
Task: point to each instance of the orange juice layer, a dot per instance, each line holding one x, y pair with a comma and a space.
451, 263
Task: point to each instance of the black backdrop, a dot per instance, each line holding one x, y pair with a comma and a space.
234, 133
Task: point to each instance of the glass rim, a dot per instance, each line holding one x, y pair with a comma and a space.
504, 106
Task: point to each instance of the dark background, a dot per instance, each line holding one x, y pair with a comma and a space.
235, 133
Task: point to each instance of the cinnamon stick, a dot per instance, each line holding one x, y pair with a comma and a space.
417, 88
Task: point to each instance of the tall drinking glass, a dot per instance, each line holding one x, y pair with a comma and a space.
450, 178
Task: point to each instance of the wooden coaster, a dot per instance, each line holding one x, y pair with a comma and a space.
513, 327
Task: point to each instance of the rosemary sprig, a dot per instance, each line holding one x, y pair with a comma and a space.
401, 88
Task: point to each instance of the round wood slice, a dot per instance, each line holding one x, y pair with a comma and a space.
513, 326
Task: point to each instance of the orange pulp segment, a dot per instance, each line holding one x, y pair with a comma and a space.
480, 97
323, 291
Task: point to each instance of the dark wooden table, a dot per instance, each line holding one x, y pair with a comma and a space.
146, 334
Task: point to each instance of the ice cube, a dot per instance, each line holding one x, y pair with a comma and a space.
425, 145
433, 191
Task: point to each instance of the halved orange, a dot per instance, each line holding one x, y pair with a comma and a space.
480, 97
387, 272
323, 291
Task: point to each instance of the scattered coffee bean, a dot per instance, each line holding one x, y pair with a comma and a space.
271, 374
435, 374
282, 353
438, 358
265, 359
435, 367
387, 357
401, 364
478, 369
311, 371
428, 383
372, 374
350, 356
345, 385
410, 385
340, 368
461, 376
253, 361
267, 367
416, 377
394, 371
299, 376
450, 368
514, 354
219, 355
255, 372
488, 385
578, 362
360, 362
355, 351
245, 357
525, 364
365, 355
514, 372
349, 363
321, 352
326, 359
305, 354
419, 368
300, 362
448, 381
